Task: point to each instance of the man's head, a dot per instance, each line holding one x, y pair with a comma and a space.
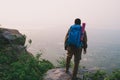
77, 21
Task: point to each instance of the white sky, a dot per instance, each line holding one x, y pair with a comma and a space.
24, 12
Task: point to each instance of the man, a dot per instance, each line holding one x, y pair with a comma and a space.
76, 51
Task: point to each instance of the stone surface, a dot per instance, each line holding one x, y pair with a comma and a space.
57, 74
12, 40
11, 36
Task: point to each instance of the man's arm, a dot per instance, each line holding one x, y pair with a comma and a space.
85, 42
85, 39
66, 37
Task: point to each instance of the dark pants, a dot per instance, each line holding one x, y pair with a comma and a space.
77, 57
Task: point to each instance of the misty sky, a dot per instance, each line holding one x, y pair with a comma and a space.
37, 12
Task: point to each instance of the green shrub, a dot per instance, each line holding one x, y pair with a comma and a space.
25, 67
114, 76
97, 75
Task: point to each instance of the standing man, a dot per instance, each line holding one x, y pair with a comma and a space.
74, 46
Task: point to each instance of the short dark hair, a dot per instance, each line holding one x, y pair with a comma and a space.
77, 21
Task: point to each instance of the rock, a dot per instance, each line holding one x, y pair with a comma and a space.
11, 36
57, 74
11, 46
12, 40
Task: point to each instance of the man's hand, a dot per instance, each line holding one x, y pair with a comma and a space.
85, 51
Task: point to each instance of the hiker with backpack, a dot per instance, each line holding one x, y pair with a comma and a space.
75, 41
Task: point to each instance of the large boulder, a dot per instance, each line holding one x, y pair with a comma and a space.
8, 36
11, 36
57, 74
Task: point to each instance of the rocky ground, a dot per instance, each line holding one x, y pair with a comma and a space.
59, 74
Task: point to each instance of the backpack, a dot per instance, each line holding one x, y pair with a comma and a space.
74, 36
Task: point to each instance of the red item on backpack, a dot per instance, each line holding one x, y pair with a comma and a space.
83, 30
